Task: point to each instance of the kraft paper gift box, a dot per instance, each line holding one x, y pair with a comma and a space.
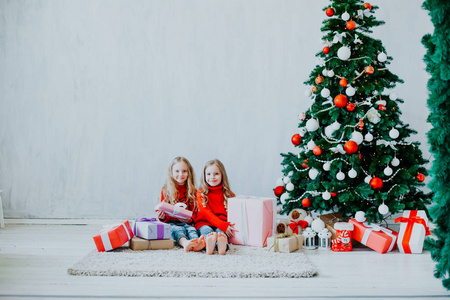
330, 220
374, 236
254, 218
178, 210
138, 243
113, 236
413, 230
285, 243
151, 229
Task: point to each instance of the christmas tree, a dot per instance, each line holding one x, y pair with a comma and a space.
352, 149
439, 137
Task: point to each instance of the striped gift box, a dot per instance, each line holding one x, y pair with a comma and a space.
113, 236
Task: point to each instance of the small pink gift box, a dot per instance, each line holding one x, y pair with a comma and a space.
254, 218
178, 210
113, 236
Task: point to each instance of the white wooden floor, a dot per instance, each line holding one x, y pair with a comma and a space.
34, 259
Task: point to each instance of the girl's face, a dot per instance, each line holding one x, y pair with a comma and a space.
180, 172
213, 175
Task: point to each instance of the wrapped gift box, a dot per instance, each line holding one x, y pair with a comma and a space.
178, 210
254, 218
374, 236
285, 243
151, 229
330, 220
413, 229
138, 243
113, 236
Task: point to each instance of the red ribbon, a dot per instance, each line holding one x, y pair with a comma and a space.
294, 225
411, 221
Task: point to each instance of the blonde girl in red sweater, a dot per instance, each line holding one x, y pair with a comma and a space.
180, 187
212, 200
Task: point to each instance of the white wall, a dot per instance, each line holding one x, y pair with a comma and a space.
97, 97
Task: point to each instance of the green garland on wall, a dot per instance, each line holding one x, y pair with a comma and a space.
437, 59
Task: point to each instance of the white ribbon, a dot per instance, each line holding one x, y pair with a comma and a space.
338, 148
178, 207
105, 237
386, 143
360, 14
338, 37
376, 227
243, 229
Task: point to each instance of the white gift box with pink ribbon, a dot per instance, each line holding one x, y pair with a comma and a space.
178, 210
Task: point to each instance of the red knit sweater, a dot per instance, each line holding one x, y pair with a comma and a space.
214, 214
183, 199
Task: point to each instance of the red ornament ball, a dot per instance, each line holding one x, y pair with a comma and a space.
333, 194
420, 177
326, 50
343, 82
296, 139
305, 163
314, 89
351, 147
368, 6
317, 150
319, 79
329, 12
306, 202
351, 25
376, 183
278, 191
381, 107
369, 70
340, 100
351, 107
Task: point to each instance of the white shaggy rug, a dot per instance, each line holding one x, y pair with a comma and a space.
240, 261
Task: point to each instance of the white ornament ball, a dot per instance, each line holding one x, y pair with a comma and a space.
382, 57
345, 16
317, 225
313, 173
284, 197
326, 166
326, 195
352, 173
325, 93
394, 133
325, 72
335, 125
286, 180
308, 93
383, 209
395, 162
393, 96
311, 145
360, 216
330, 73
368, 179
368, 137
344, 53
357, 137
388, 171
290, 186
312, 125
329, 131
350, 91
280, 181
340, 175
309, 219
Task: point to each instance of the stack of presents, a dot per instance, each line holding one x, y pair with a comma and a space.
259, 225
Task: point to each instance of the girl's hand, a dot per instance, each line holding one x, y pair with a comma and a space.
230, 230
161, 215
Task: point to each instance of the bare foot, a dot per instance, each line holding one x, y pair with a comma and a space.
201, 244
190, 244
222, 243
211, 243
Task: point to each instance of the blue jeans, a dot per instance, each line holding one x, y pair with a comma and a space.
179, 230
205, 230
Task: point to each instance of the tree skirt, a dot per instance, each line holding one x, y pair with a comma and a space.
240, 261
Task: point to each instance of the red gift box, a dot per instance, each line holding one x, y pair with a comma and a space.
376, 237
113, 237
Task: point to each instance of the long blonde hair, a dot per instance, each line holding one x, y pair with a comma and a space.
227, 193
170, 187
